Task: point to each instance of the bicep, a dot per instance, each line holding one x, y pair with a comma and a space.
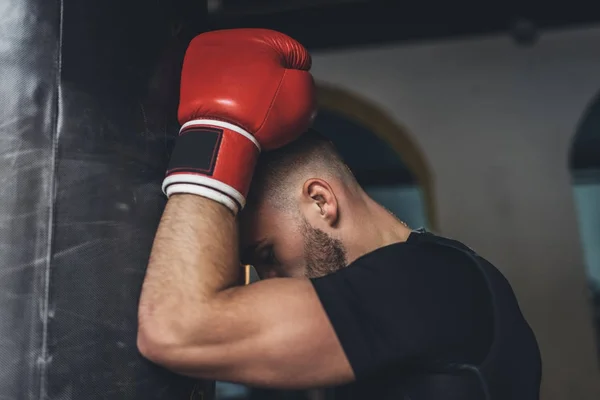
272, 333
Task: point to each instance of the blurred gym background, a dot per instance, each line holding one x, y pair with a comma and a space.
477, 120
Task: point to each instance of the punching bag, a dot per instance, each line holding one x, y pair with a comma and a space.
88, 93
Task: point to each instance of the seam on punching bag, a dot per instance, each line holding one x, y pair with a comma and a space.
54, 127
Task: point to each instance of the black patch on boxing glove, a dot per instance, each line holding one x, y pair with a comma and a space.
196, 150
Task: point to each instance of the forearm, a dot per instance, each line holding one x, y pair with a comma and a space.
190, 315
193, 258
194, 322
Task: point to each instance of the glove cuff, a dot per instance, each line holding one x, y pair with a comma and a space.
205, 191
213, 159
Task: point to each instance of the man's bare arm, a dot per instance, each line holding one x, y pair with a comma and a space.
195, 320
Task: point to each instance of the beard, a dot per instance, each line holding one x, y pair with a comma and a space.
323, 254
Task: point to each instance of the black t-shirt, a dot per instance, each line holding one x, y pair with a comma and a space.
429, 319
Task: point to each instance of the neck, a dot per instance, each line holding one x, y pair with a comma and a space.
376, 227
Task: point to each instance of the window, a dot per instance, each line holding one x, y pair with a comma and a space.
585, 173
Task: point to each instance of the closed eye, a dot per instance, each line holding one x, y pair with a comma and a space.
251, 254
268, 256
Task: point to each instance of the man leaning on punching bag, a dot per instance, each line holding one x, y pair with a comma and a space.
355, 298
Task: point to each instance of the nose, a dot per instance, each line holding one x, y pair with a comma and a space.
265, 272
270, 273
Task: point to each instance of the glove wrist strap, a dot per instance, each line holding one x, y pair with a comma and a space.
213, 159
203, 123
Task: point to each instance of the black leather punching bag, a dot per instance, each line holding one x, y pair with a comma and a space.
88, 97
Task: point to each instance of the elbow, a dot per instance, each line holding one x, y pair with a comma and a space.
163, 342
157, 346
173, 340
170, 351
171, 344
148, 347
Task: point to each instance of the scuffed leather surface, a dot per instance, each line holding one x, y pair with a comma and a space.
28, 97
88, 94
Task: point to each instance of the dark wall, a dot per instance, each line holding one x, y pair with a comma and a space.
329, 24
371, 159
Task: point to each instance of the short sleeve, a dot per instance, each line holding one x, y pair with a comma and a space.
409, 305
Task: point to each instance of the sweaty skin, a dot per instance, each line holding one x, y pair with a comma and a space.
193, 319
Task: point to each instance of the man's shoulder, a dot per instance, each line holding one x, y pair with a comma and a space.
422, 249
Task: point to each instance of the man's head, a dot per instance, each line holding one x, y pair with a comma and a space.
297, 220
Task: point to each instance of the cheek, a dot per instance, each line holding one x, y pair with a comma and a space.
291, 251
291, 255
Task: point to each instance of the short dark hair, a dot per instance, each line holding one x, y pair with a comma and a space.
276, 168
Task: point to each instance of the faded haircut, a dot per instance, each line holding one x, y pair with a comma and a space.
277, 172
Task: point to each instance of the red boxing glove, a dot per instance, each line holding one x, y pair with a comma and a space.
242, 90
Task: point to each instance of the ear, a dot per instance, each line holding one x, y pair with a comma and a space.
320, 202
